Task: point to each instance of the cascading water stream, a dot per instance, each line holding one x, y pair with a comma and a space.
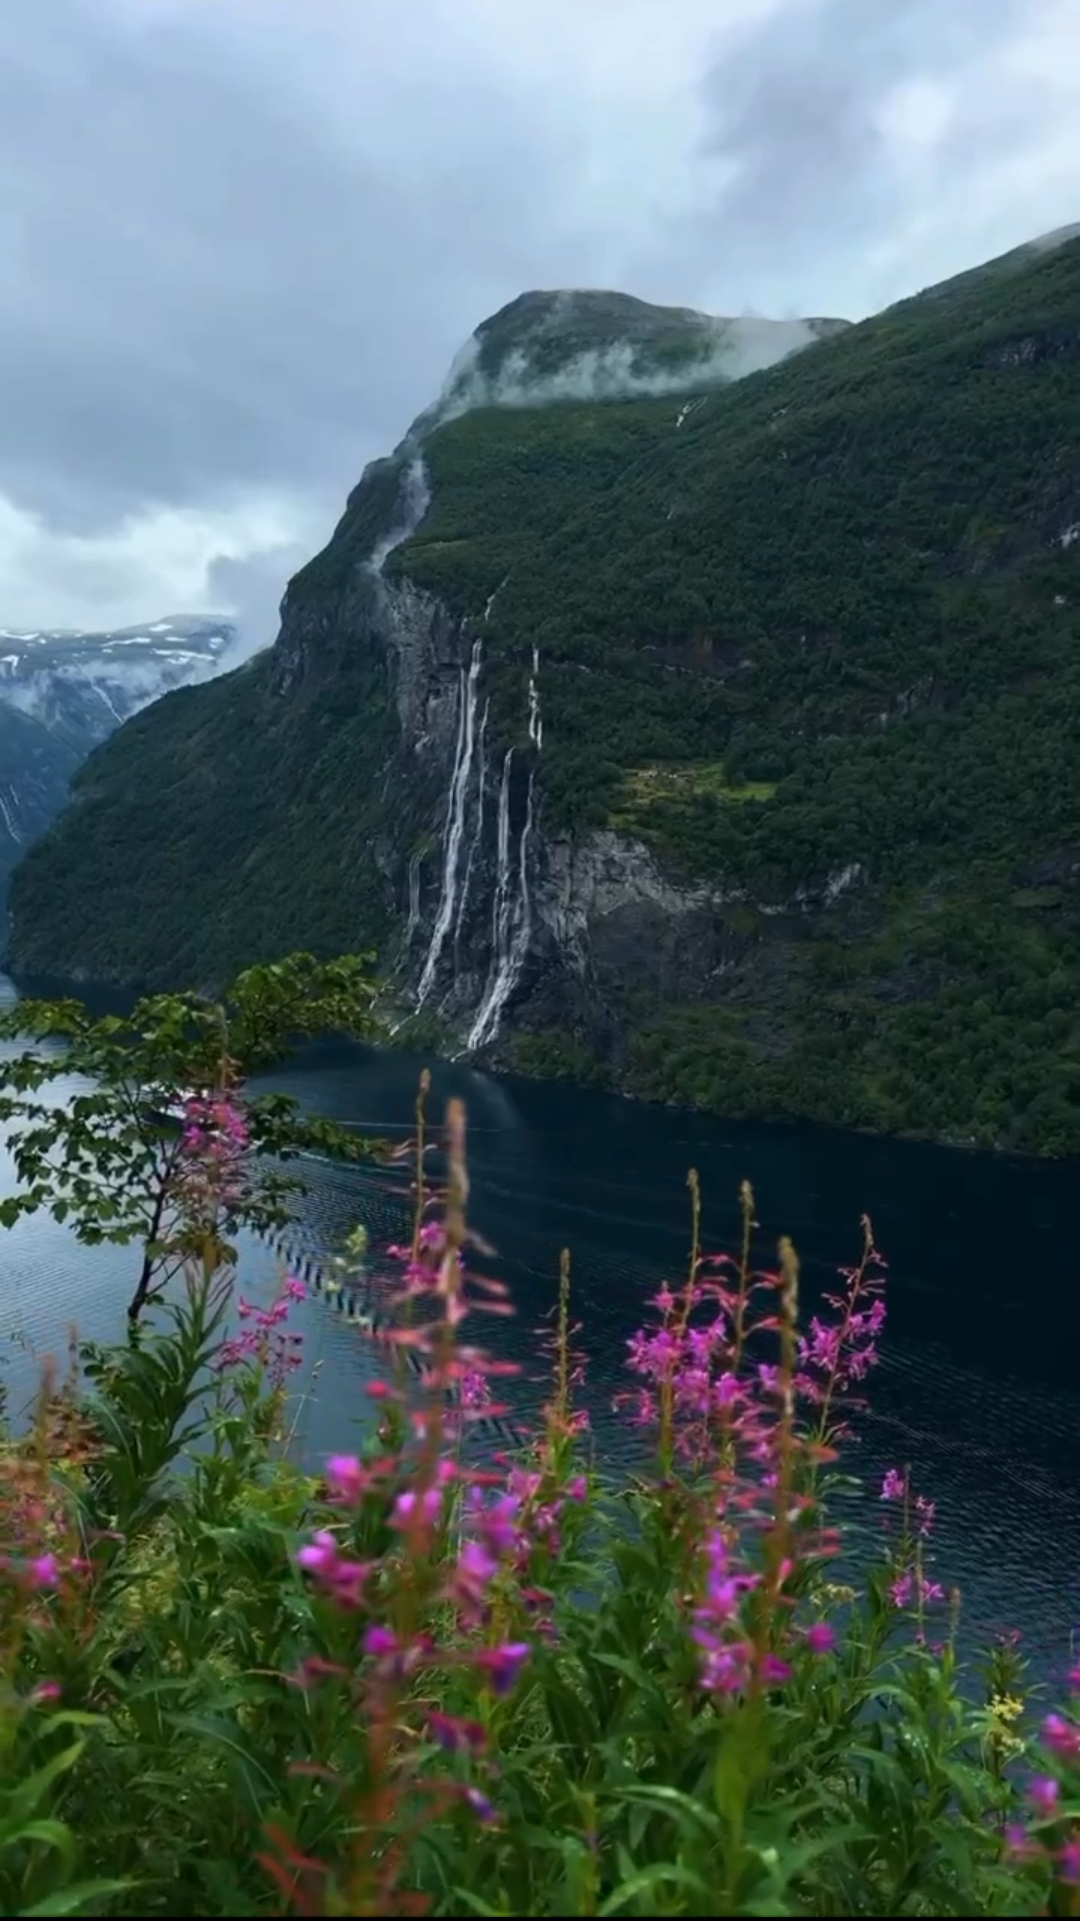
536, 725
476, 839
511, 931
455, 821
510, 949
413, 921
500, 913
414, 499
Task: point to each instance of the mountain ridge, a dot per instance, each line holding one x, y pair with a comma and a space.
719, 750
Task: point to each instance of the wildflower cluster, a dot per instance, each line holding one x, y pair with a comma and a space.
450, 1678
265, 1341
214, 1146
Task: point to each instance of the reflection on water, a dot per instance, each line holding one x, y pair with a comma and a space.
978, 1388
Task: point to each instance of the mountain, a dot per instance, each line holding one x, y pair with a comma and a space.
718, 745
62, 692
583, 344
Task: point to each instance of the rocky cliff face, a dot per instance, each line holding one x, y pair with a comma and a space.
505, 924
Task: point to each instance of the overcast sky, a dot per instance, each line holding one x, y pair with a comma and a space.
242, 239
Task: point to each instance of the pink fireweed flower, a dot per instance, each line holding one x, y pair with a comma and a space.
470, 1579
913, 1589
1068, 1861
502, 1665
924, 1515
379, 1642
1043, 1793
820, 1638
774, 1671
715, 1630
323, 1560
346, 1478
41, 1571
894, 1486
45, 1692
498, 1522
725, 1666
455, 1735
415, 1507
483, 1809
1061, 1737
474, 1389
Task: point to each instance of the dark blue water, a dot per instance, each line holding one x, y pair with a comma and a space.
978, 1390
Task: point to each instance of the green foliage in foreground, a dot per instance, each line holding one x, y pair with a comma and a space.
852, 582
415, 1687
187, 1722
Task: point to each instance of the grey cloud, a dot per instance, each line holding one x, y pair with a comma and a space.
204, 290
795, 109
229, 270
251, 591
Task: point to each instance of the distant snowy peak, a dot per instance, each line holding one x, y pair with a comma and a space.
184, 638
82, 685
62, 692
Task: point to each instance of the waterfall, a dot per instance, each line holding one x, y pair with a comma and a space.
509, 953
500, 913
8, 822
511, 924
476, 838
413, 921
455, 821
414, 499
536, 725
491, 599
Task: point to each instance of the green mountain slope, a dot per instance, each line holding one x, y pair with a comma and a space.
803, 836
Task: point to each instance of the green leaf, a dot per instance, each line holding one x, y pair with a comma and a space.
73, 1900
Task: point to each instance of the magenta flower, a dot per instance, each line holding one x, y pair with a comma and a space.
820, 1637
422, 1507
346, 1478
483, 1809
1061, 1737
912, 1589
725, 1666
503, 1664
1068, 1861
894, 1486
323, 1560
924, 1515
43, 1571
1043, 1793
775, 1671
455, 1735
379, 1641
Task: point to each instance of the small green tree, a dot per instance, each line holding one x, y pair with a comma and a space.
111, 1161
